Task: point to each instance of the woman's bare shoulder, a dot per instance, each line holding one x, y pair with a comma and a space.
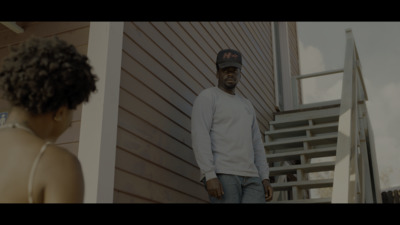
58, 156
62, 176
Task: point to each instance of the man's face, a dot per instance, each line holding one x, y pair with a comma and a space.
228, 77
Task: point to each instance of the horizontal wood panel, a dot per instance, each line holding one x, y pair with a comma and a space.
122, 197
155, 61
143, 75
136, 165
156, 155
152, 116
140, 186
151, 134
134, 87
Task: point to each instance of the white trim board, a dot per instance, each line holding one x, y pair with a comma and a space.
98, 133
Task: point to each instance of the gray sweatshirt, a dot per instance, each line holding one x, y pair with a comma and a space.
226, 137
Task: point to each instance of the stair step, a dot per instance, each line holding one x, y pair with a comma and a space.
303, 184
319, 115
298, 141
276, 124
315, 129
306, 201
293, 155
307, 168
301, 130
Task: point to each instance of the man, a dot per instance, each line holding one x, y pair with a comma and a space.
226, 139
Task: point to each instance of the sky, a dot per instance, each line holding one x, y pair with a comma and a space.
322, 47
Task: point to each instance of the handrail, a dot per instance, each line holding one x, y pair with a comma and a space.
344, 177
318, 74
295, 83
354, 178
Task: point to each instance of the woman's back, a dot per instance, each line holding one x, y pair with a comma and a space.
44, 80
56, 178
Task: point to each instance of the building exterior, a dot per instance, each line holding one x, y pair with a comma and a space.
133, 137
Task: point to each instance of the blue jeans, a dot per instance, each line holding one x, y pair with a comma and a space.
239, 189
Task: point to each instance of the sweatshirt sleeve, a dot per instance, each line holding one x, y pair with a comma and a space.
201, 122
260, 158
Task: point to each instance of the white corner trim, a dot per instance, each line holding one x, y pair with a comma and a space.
98, 133
13, 26
284, 76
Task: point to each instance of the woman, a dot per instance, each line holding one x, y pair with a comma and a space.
44, 80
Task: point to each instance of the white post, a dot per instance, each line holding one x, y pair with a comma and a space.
98, 133
295, 92
374, 166
341, 179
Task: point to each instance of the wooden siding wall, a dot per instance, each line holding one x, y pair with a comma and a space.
76, 33
165, 65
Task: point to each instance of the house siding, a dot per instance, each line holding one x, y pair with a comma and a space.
76, 33
165, 65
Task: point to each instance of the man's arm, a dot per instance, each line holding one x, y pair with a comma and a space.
260, 159
201, 121
202, 117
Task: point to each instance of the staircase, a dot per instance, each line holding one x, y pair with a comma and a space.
326, 146
300, 145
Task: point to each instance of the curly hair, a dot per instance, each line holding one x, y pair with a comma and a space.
43, 74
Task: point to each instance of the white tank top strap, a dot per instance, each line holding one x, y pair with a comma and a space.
32, 172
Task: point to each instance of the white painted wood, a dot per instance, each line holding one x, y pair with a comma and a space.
307, 201
14, 27
97, 145
285, 67
318, 74
303, 184
288, 141
319, 104
279, 196
374, 163
311, 153
341, 188
305, 115
307, 168
276, 61
295, 86
314, 129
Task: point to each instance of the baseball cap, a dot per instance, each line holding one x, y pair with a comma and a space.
228, 58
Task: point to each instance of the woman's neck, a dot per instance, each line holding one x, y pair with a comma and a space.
40, 125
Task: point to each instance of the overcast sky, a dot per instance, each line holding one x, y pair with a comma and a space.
322, 46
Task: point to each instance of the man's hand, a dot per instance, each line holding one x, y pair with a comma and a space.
268, 190
214, 188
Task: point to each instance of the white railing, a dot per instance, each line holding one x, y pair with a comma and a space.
356, 177
296, 82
